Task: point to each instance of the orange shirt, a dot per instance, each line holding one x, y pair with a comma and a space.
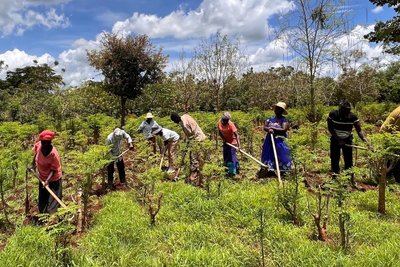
46, 164
228, 131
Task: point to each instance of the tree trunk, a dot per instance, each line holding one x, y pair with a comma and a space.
123, 110
382, 189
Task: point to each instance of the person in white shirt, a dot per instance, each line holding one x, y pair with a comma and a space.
115, 139
171, 139
146, 128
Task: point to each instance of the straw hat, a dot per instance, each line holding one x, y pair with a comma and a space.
282, 105
149, 115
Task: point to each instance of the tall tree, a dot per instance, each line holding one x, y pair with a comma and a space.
128, 64
216, 60
310, 31
387, 32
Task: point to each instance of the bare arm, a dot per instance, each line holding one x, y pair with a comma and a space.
237, 138
360, 133
222, 136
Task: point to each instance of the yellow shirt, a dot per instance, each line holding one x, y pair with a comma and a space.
392, 122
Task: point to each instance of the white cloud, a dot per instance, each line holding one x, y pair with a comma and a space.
73, 62
377, 9
16, 16
18, 59
244, 18
186, 29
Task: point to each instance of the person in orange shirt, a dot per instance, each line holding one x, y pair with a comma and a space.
48, 163
229, 134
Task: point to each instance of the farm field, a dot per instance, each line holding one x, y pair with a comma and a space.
239, 221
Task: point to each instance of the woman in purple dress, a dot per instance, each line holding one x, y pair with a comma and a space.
277, 126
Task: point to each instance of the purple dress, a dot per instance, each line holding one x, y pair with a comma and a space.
282, 150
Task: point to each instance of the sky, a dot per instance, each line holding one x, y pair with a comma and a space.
64, 30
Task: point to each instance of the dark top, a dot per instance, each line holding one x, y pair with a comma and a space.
343, 126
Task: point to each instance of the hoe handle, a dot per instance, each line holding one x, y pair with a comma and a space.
49, 190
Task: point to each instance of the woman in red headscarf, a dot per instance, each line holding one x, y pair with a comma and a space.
47, 161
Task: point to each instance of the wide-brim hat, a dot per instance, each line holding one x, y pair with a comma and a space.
282, 105
149, 115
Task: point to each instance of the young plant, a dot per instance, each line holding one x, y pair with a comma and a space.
212, 172
87, 166
58, 225
147, 195
341, 191
261, 229
320, 213
383, 160
290, 196
5, 163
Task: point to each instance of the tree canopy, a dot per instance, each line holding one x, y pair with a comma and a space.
128, 65
387, 32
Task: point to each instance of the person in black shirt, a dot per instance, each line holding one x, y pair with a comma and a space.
340, 126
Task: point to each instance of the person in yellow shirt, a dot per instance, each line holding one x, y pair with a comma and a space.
392, 125
392, 122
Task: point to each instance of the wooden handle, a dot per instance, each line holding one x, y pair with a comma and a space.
278, 172
120, 155
248, 155
49, 190
358, 147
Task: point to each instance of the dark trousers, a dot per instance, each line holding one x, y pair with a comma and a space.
121, 172
47, 204
335, 154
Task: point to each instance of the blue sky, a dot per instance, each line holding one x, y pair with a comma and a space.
62, 30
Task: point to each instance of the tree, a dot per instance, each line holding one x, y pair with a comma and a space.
310, 31
27, 91
387, 32
128, 65
216, 60
40, 78
356, 86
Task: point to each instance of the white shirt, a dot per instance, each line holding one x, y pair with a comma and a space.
168, 135
146, 128
115, 138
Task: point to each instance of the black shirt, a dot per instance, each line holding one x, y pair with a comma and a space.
343, 126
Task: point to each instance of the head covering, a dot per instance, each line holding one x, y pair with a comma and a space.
226, 116
149, 115
282, 105
175, 117
46, 135
118, 132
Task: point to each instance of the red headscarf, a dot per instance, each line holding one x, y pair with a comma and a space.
46, 135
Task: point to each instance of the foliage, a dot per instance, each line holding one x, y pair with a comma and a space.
387, 32
215, 61
128, 65
310, 30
